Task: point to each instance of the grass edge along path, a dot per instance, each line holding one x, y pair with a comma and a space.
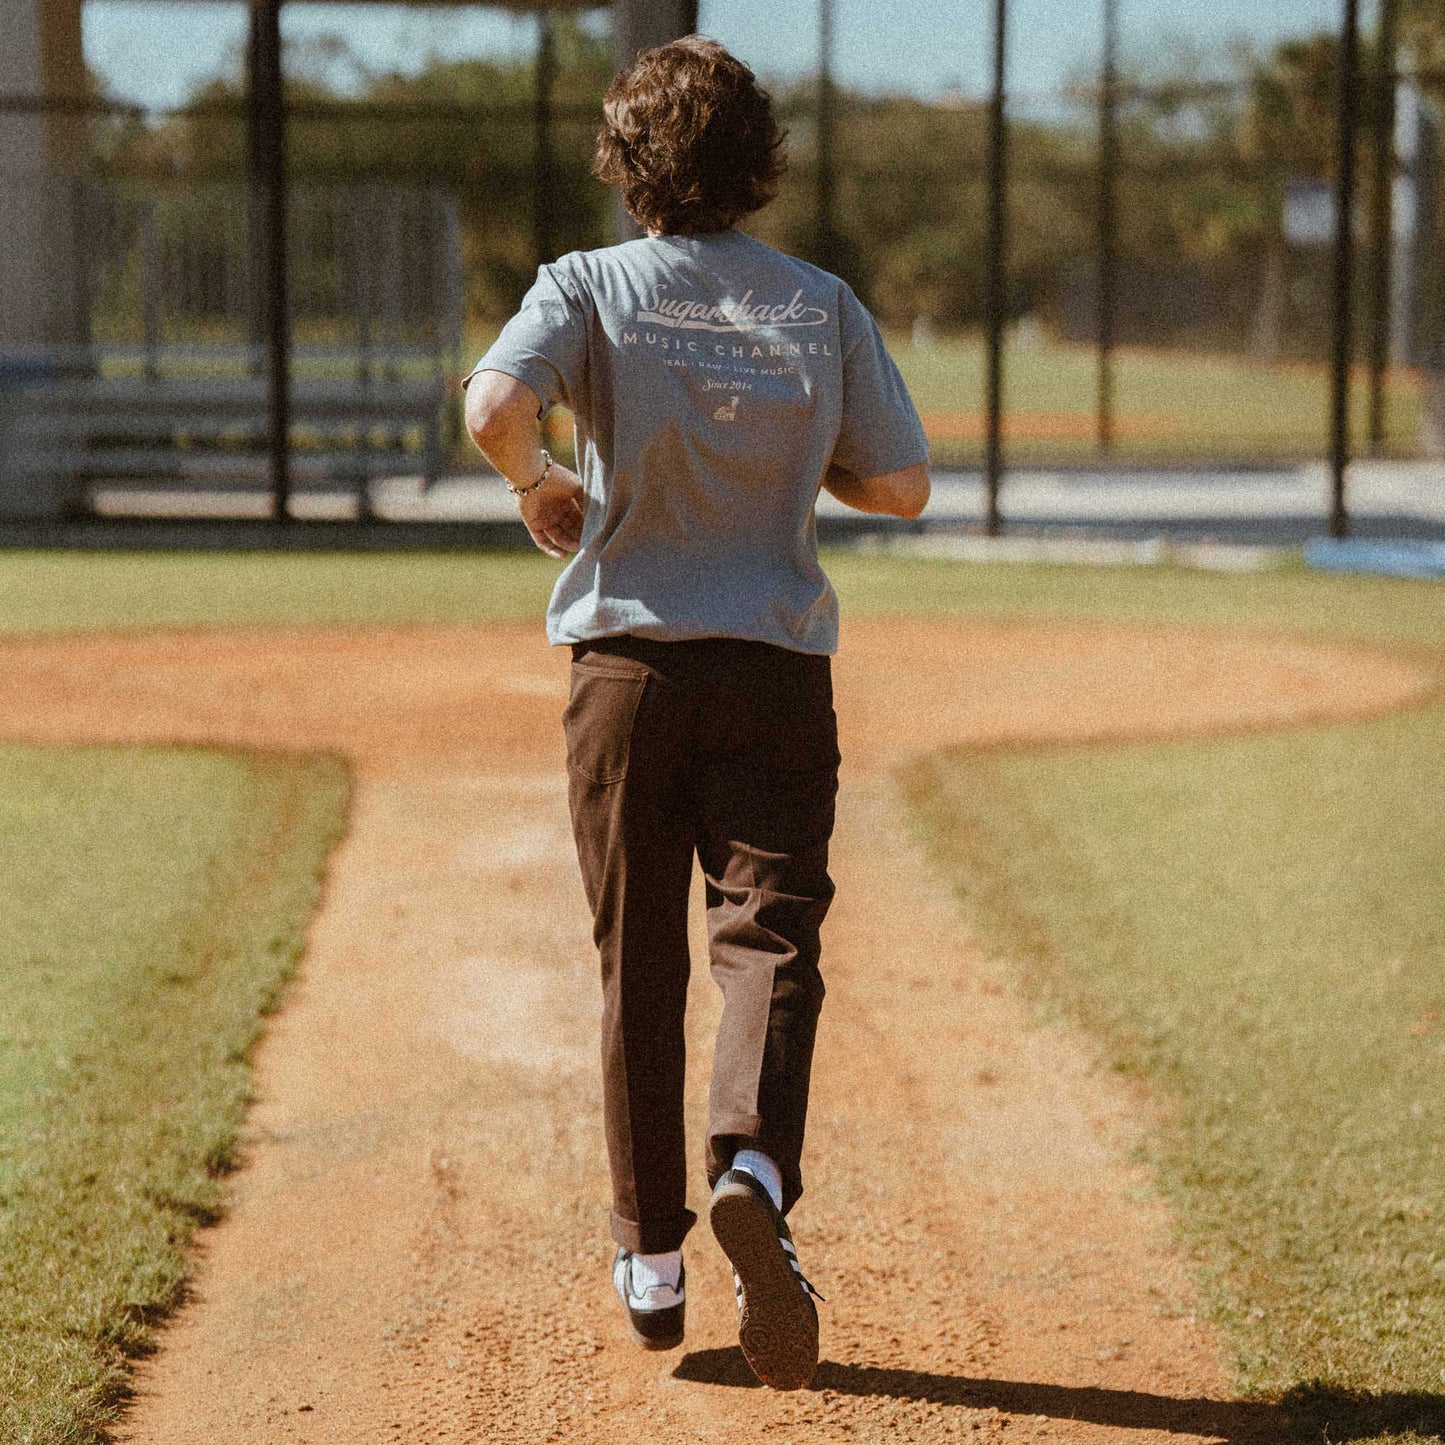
125, 1153
58, 591
1251, 928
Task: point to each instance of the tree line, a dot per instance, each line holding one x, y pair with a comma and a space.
1207, 152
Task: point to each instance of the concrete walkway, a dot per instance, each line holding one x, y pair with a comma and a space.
1277, 506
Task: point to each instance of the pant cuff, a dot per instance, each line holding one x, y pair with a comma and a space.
652, 1236
749, 1132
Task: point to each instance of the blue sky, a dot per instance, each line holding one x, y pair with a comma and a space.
156, 52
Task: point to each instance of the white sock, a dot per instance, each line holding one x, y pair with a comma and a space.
763, 1170
651, 1270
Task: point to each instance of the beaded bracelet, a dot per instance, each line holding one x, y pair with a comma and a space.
532, 486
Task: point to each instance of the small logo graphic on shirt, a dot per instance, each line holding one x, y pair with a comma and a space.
728, 412
743, 314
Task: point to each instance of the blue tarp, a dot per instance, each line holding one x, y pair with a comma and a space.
22, 369
1385, 557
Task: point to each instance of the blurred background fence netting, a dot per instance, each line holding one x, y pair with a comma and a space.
165, 281
135, 334
1170, 238
1169, 242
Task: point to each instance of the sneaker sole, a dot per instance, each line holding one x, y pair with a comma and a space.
778, 1325
670, 1343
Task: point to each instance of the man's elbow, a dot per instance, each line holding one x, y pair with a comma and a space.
496, 407
913, 495
488, 421
914, 506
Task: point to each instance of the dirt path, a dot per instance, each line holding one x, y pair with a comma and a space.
417, 1249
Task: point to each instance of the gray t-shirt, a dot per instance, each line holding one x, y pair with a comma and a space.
712, 379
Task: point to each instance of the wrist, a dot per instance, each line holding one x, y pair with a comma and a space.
530, 487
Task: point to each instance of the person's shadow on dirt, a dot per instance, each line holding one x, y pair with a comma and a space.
1305, 1413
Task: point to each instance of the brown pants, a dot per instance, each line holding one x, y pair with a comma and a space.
726, 748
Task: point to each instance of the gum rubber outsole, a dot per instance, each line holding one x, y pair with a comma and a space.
670, 1342
778, 1324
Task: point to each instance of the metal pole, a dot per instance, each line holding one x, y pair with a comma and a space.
827, 179
544, 181
255, 208
1348, 87
994, 302
1108, 221
1381, 231
268, 131
639, 25
150, 287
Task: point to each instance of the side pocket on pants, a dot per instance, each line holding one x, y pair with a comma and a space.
598, 719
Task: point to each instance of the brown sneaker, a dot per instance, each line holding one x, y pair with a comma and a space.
777, 1319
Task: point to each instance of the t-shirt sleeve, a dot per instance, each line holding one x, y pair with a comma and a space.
545, 343
881, 430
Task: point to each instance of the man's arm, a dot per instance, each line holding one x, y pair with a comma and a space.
501, 415
903, 493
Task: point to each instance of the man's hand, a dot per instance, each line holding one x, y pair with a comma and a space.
553, 513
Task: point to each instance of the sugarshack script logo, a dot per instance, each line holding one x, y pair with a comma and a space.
740, 315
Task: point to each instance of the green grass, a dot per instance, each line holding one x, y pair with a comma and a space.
1210, 407
69, 591
155, 900
1391, 611
1184, 406
74, 591
1255, 928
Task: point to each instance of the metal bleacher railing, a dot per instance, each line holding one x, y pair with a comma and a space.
146, 363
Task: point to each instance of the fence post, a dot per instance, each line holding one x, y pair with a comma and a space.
451, 248
1108, 222
1347, 88
825, 146
267, 110
544, 180
149, 286
994, 300
639, 25
1382, 238
82, 293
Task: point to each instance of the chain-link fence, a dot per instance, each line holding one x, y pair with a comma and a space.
1169, 269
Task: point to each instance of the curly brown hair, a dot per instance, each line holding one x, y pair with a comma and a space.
690, 138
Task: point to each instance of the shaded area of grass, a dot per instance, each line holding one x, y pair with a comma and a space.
48, 591
1254, 926
155, 901
71, 591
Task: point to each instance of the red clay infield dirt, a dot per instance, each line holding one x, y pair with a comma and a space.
416, 1249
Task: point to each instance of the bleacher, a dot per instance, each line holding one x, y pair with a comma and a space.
159, 386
